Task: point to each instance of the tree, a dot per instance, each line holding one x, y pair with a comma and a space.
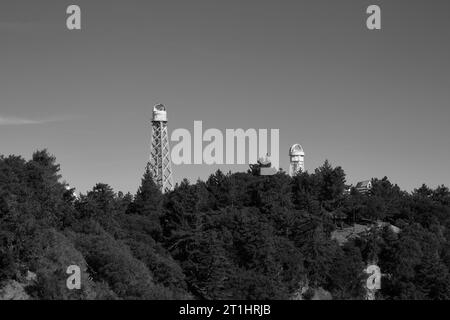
331, 181
319, 253
149, 199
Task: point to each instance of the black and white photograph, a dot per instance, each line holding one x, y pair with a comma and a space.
208, 151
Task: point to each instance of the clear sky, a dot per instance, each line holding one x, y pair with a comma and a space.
374, 102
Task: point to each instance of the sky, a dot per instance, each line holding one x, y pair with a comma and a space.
376, 103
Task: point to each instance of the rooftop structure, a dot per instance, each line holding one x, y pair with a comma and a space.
364, 186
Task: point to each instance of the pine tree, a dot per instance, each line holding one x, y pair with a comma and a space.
149, 199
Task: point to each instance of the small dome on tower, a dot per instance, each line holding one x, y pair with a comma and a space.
159, 113
159, 107
296, 150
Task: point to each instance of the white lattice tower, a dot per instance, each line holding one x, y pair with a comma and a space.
160, 162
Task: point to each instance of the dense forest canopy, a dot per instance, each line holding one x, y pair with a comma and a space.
234, 236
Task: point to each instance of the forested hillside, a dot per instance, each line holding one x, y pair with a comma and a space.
234, 236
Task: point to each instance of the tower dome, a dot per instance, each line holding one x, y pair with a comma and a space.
296, 150
159, 113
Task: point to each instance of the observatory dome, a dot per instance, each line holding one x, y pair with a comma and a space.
159, 113
296, 150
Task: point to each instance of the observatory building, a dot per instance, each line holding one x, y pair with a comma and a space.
296, 160
160, 163
263, 167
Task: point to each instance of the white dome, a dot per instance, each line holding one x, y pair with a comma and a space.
159, 113
159, 107
296, 150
